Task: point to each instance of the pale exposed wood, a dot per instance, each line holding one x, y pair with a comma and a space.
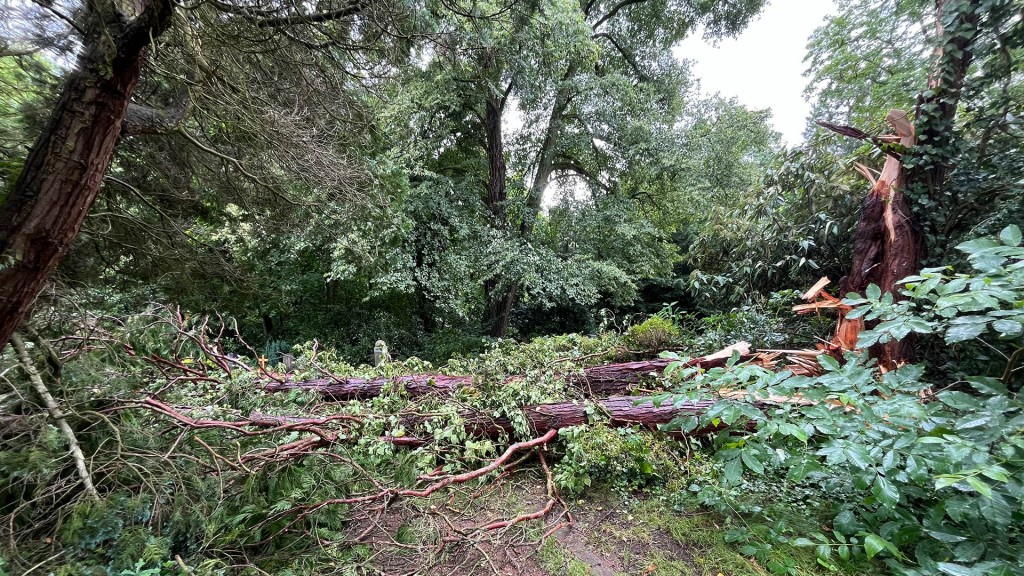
812, 293
824, 304
53, 409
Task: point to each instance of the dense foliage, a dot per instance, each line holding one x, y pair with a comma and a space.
507, 195
931, 471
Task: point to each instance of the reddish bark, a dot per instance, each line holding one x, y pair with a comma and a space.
887, 244
620, 411
602, 380
362, 388
44, 211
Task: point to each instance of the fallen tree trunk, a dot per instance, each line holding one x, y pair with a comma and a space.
363, 388
621, 411
602, 380
616, 411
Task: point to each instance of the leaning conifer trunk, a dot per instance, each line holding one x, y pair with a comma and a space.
45, 209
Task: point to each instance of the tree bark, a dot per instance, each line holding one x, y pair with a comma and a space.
937, 107
889, 242
496, 170
620, 411
887, 245
499, 308
44, 211
601, 380
499, 301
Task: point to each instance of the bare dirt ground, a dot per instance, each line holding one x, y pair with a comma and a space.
443, 536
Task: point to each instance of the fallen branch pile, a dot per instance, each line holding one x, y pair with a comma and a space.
618, 394
601, 380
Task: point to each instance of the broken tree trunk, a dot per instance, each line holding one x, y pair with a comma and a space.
599, 380
887, 244
621, 411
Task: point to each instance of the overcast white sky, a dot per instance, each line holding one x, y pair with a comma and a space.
763, 67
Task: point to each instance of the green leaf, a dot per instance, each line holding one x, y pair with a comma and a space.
957, 569
997, 473
751, 461
827, 362
980, 485
964, 331
1010, 235
885, 491
873, 544
733, 470
987, 385
873, 292
1008, 327
946, 537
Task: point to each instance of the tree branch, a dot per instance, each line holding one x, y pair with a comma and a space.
611, 14
350, 9
54, 410
625, 55
151, 23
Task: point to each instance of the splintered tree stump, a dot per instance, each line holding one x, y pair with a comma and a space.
887, 244
602, 380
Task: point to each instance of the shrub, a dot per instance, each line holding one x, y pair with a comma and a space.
936, 476
653, 334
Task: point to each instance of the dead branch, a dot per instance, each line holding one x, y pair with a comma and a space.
55, 412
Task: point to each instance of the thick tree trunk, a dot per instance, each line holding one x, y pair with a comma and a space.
499, 301
619, 411
42, 215
499, 309
602, 380
887, 244
936, 114
496, 170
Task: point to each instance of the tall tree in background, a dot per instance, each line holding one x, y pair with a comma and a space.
593, 83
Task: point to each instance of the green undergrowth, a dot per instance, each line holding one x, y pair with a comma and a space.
644, 535
884, 484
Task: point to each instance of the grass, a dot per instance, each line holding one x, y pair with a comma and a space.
650, 539
556, 559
